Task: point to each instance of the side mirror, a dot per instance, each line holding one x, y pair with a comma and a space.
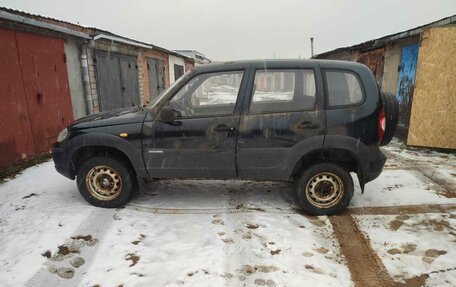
167, 114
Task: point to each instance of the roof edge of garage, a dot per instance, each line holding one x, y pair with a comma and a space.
85, 32
25, 20
122, 40
379, 42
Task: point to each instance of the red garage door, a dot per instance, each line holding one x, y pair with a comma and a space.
15, 132
35, 100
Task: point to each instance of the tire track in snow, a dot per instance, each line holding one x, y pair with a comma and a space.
426, 173
366, 267
381, 210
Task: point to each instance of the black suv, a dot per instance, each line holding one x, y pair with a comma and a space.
312, 122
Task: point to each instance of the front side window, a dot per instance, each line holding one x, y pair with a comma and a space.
213, 94
343, 88
283, 91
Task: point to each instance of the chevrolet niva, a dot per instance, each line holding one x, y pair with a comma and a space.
311, 122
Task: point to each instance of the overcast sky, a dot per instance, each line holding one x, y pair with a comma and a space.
245, 29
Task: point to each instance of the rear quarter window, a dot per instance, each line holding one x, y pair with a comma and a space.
343, 88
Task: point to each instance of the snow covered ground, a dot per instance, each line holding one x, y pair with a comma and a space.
219, 233
414, 245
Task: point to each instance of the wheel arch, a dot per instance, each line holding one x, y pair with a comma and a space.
86, 146
345, 151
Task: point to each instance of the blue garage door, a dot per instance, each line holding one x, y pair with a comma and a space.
406, 83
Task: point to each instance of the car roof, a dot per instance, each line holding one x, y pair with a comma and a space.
276, 63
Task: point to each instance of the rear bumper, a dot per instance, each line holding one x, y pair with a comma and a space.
375, 166
61, 161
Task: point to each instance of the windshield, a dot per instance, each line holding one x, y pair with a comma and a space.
166, 91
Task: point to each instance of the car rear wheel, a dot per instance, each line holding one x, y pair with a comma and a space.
325, 189
106, 182
391, 108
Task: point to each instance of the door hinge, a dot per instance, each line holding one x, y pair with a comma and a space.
64, 58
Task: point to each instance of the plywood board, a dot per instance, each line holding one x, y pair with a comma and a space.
433, 114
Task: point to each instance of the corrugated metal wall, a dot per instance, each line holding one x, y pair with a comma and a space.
35, 99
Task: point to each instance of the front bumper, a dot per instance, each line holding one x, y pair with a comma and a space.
61, 161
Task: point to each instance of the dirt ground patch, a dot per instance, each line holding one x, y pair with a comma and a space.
13, 170
402, 210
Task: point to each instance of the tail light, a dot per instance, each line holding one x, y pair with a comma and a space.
381, 125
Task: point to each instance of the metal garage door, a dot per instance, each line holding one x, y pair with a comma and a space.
34, 94
374, 59
46, 87
15, 137
117, 80
156, 72
406, 84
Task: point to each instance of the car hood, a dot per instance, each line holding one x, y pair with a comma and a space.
111, 118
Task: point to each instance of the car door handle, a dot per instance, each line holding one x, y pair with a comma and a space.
223, 128
308, 125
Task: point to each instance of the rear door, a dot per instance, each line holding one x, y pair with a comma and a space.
201, 143
282, 117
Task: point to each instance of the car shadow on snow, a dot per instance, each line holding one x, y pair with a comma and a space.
216, 194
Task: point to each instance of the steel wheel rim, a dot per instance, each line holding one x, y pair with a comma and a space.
324, 190
103, 182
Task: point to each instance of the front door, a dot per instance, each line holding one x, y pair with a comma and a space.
281, 117
201, 142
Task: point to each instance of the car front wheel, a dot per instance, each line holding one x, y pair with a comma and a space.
325, 189
105, 181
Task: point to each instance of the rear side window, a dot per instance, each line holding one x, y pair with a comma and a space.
343, 88
283, 91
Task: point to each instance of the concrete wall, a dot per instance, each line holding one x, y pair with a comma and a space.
173, 60
73, 54
391, 63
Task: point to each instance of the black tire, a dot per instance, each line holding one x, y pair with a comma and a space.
119, 169
326, 175
391, 108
